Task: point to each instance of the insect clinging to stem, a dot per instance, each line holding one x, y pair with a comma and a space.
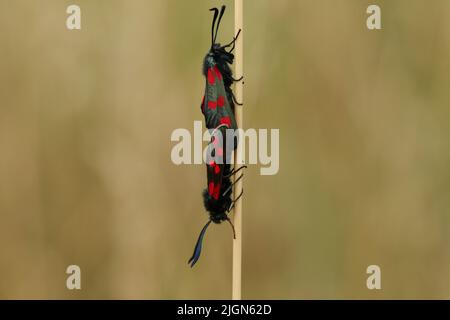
218, 108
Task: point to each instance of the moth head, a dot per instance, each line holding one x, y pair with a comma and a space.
215, 48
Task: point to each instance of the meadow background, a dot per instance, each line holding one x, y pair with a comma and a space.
85, 170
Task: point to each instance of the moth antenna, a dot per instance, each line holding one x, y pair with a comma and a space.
232, 227
198, 246
216, 13
222, 11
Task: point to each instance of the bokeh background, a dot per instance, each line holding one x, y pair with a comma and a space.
86, 176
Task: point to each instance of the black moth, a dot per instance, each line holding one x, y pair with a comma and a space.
218, 108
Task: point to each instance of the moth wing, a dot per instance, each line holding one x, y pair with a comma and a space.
218, 157
215, 106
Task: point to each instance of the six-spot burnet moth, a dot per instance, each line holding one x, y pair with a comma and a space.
218, 108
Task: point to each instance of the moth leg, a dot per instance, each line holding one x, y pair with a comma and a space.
242, 192
234, 201
233, 172
234, 40
231, 186
232, 48
235, 101
237, 80
233, 43
232, 227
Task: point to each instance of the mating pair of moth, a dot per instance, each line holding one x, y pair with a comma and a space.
218, 106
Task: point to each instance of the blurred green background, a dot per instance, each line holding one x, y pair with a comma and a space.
85, 170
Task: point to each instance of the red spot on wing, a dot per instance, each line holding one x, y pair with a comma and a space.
212, 105
217, 72
216, 191
221, 101
226, 120
211, 78
219, 152
215, 166
211, 189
